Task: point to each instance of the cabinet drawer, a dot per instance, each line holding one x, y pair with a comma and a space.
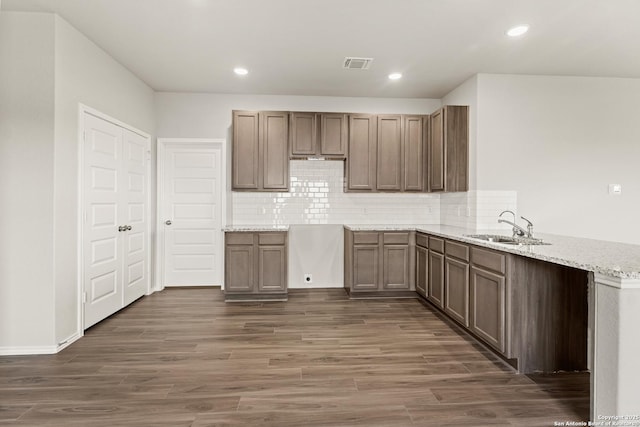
436, 245
271, 238
365, 238
457, 250
422, 240
489, 260
395, 238
239, 238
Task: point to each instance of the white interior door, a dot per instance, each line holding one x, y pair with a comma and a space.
134, 212
191, 214
102, 243
115, 228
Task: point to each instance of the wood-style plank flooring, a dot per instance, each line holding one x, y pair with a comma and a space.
182, 357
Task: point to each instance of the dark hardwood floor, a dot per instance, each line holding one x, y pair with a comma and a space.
182, 357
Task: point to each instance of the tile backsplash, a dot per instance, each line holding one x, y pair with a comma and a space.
317, 197
477, 209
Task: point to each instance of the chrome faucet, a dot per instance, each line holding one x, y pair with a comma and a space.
517, 230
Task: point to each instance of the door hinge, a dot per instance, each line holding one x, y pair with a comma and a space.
84, 297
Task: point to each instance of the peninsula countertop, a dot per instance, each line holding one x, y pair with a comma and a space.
621, 260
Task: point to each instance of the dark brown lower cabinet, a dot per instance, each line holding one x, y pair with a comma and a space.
422, 269
487, 306
436, 279
533, 313
456, 301
255, 265
396, 267
379, 263
366, 265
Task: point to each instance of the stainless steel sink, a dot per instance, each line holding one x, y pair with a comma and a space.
506, 240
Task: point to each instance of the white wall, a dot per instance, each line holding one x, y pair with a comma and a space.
48, 68
26, 180
559, 142
204, 115
85, 74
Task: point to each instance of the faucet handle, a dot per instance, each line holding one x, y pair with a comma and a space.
529, 227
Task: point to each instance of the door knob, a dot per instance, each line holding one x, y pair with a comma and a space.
168, 222
128, 227
122, 228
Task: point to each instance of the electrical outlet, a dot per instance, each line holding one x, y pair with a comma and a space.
308, 279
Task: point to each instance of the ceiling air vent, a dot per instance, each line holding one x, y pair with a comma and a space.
353, 63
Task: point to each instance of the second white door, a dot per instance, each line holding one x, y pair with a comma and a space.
191, 214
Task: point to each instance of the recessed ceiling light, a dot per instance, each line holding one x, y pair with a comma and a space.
395, 76
517, 31
241, 71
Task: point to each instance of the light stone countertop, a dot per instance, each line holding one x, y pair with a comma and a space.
256, 228
621, 260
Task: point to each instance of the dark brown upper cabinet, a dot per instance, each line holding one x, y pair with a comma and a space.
361, 157
260, 151
245, 150
397, 151
414, 141
303, 134
449, 149
389, 153
318, 135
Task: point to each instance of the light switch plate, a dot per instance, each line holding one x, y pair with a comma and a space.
615, 189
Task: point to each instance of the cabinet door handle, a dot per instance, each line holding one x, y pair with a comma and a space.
168, 222
128, 227
122, 228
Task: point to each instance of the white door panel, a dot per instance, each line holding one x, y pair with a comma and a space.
114, 195
192, 200
135, 205
102, 250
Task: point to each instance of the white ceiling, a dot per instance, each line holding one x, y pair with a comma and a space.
296, 47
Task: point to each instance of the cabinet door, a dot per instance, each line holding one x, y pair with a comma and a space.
413, 165
274, 150
245, 151
436, 152
456, 143
422, 266
487, 318
333, 135
426, 135
272, 268
457, 290
302, 134
239, 268
389, 153
395, 267
436, 279
366, 267
361, 161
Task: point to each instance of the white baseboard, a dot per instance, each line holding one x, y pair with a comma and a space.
318, 286
39, 349
28, 350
